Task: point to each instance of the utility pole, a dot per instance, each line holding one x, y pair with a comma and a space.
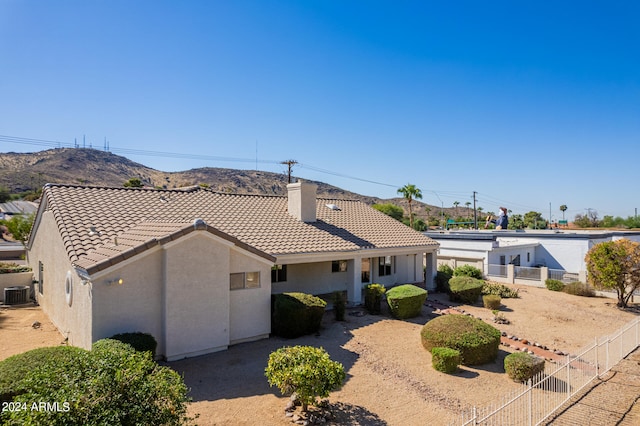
475, 212
289, 164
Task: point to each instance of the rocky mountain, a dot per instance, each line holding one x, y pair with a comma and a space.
24, 172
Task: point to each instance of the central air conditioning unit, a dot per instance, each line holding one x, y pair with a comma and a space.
16, 295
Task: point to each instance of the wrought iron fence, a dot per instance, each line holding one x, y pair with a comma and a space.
527, 273
545, 393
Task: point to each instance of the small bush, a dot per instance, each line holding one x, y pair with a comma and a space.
373, 298
12, 268
465, 289
491, 301
476, 340
141, 342
467, 271
442, 282
405, 301
296, 314
521, 366
112, 384
339, 305
445, 360
500, 290
554, 285
305, 370
14, 369
579, 289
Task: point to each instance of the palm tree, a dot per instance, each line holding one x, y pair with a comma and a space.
410, 192
563, 208
468, 203
455, 205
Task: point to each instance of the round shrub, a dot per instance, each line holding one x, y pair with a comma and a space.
305, 370
579, 289
476, 340
521, 366
296, 314
14, 369
491, 301
139, 341
446, 269
373, 297
465, 289
405, 301
445, 360
112, 384
467, 271
554, 285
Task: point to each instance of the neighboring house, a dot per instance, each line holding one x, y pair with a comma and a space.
534, 255
12, 208
197, 268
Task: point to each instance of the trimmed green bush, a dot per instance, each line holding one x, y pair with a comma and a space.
554, 285
12, 268
467, 271
112, 384
442, 282
491, 301
465, 289
521, 366
446, 269
339, 305
373, 298
139, 341
476, 340
405, 301
296, 314
500, 290
445, 360
579, 289
305, 370
14, 369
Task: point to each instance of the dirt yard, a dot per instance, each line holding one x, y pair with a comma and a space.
390, 380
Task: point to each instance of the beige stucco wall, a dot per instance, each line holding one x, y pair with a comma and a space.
250, 309
74, 321
313, 278
197, 295
136, 304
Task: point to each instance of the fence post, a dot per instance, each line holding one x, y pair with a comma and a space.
475, 415
596, 358
568, 377
530, 401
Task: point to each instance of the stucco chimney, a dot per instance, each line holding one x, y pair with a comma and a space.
302, 200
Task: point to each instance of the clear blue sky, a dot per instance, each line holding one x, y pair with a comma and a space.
527, 103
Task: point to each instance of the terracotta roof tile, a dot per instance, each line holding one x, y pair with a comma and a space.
91, 220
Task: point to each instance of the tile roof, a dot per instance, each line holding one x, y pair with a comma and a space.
91, 220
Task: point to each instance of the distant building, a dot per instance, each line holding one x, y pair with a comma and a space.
530, 255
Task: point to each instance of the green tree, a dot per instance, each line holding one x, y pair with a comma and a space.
615, 265
305, 370
516, 221
468, 204
534, 220
5, 195
19, 226
410, 192
563, 208
455, 206
389, 209
133, 183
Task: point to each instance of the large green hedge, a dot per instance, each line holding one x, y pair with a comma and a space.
476, 340
405, 301
465, 289
111, 384
296, 314
373, 297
